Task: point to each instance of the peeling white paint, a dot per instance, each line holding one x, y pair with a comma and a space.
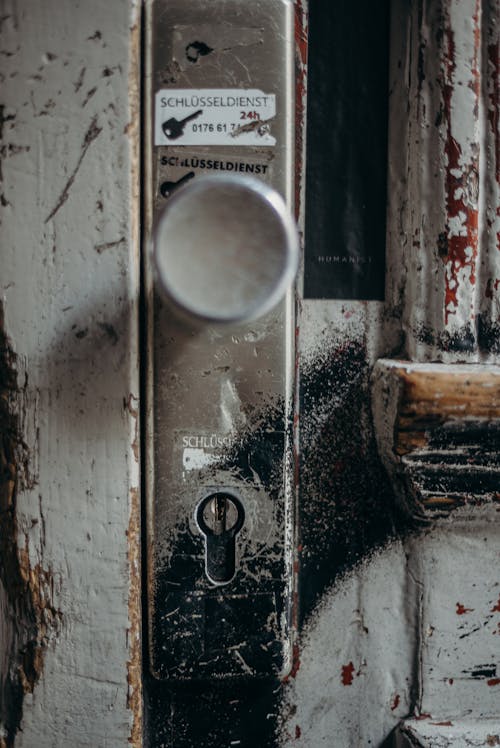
70, 312
443, 227
355, 677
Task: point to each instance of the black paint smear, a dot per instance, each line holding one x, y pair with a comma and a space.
197, 624
205, 714
195, 50
486, 338
212, 715
256, 600
482, 671
481, 436
488, 335
22, 648
425, 334
347, 507
258, 450
461, 341
347, 510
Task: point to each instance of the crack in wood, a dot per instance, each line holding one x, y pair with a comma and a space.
91, 134
25, 591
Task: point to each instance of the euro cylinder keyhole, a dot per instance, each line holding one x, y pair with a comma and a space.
220, 517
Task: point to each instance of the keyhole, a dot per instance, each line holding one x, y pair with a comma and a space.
220, 517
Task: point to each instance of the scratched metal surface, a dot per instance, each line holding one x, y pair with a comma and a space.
219, 397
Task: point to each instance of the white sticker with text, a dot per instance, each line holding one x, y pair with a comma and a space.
218, 116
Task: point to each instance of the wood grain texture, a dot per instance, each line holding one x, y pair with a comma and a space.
443, 432
69, 283
429, 733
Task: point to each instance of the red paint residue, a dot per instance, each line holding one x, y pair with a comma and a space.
300, 92
491, 287
496, 608
460, 183
295, 614
443, 724
493, 682
450, 681
295, 664
424, 715
461, 610
295, 661
395, 703
298, 732
347, 674
296, 462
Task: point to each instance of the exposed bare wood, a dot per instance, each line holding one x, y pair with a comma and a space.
70, 610
445, 432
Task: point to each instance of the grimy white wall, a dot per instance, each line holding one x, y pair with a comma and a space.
69, 513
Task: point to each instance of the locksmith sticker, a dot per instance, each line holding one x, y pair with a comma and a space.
218, 116
179, 165
200, 449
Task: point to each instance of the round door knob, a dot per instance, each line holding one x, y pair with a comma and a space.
225, 248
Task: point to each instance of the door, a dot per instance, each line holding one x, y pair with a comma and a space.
394, 404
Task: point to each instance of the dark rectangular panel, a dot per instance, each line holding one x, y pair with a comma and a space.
346, 150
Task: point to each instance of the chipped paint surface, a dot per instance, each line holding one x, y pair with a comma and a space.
447, 734
349, 670
368, 659
301, 39
461, 233
444, 214
29, 620
438, 433
69, 258
437, 429
458, 655
398, 612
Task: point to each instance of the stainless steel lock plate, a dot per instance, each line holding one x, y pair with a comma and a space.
219, 101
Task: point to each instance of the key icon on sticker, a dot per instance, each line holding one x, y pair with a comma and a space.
166, 188
173, 128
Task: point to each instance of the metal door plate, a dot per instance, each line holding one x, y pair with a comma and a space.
218, 399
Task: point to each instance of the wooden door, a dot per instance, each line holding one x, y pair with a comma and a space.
397, 401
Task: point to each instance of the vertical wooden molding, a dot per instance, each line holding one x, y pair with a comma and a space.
447, 200
70, 609
28, 616
133, 131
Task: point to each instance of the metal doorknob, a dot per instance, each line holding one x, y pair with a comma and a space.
225, 249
